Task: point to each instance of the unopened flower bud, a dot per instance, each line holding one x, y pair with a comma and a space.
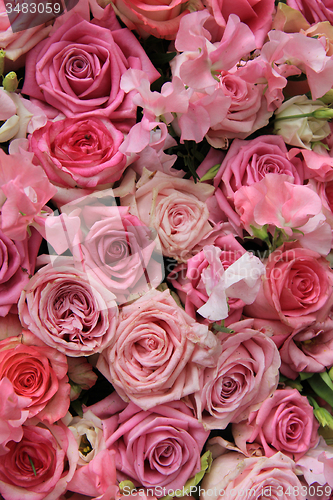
10, 82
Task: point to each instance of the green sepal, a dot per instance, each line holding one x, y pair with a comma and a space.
320, 385
210, 174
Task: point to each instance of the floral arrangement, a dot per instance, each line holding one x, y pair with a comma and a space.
166, 194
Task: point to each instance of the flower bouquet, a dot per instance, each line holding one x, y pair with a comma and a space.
166, 194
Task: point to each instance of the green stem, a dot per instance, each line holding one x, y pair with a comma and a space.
32, 465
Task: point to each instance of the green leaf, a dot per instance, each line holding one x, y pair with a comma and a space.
305, 375
77, 406
210, 174
206, 462
324, 417
321, 388
326, 378
260, 233
32, 466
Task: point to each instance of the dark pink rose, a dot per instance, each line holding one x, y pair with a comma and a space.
13, 414
157, 352
159, 448
37, 372
257, 14
78, 69
313, 10
187, 279
297, 288
248, 162
284, 422
17, 264
245, 375
234, 476
53, 452
307, 350
68, 311
79, 152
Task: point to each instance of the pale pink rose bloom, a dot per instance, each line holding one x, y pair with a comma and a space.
153, 18
24, 191
157, 448
67, 310
13, 414
284, 422
176, 209
121, 252
17, 263
245, 375
79, 152
308, 350
297, 289
186, 279
157, 352
256, 14
106, 52
233, 476
37, 372
313, 10
53, 451
277, 202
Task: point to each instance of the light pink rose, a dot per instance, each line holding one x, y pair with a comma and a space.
236, 477
247, 162
17, 264
87, 60
177, 210
307, 350
79, 152
186, 279
157, 351
37, 372
13, 414
121, 252
53, 452
284, 422
156, 448
245, 375
24, 191
256, 14
149, 18
313, 10
67, 311
297, 288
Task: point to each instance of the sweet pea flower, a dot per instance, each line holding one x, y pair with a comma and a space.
241, 280
295, 209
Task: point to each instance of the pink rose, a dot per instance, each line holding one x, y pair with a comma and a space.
256, 14
13, 414
37, 372
78, 68
40, 465
121, 252
24, 191
186, 278
17, 263
177, 210
79, 152
313, 10
157, 449
157, 351
236, 477
247, 162
297, 288
284, 422
68, 311
307, 350
149, 18
245, 375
